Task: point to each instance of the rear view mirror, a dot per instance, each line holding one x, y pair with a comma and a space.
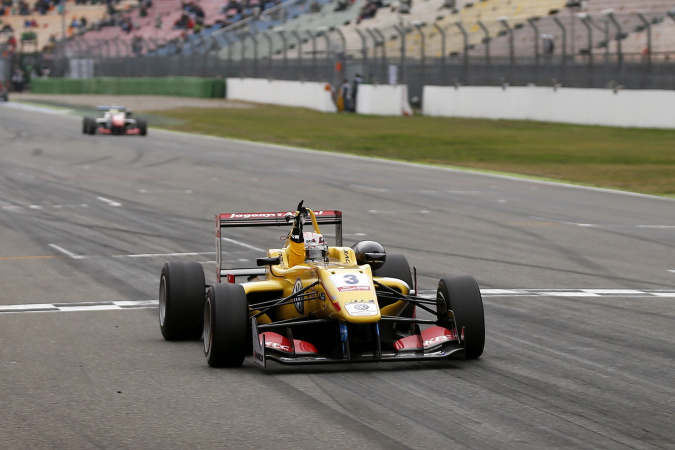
270, 261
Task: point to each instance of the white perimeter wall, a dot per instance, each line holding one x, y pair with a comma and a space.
625, 108
383, 100
380, 99
307, 94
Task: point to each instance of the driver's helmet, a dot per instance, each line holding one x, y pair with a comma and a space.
316, 248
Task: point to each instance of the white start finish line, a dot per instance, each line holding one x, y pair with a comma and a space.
487, 293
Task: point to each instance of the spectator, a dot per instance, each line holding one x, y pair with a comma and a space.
83, 22
126, 25
182, 22
355, 89
449, 4
404, 6
369, 10
158, 22
11, 43
548, 44
342, 5
346, 95
137, 45
17, 80
232, 10
24, 9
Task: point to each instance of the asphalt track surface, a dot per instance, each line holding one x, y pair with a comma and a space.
579, 295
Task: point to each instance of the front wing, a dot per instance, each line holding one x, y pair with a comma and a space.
433, 343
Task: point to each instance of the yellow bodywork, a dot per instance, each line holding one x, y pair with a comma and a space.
344, 290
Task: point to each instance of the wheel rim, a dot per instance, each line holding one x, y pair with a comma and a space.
441, 302
162, 301
208, 335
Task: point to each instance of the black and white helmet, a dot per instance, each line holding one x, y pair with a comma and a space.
316, 248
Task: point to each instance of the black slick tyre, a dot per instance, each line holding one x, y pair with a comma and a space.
396, 266
226, 317
462, 296
86, 125
92, 125
181, 301
142, 127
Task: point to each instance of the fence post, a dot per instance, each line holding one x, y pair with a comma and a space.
486, 41
509, 30
465, 53
270, 52
280, 32
402, 31
648, 26
313, 38
382, 44
584, 20
531, 21
610, 13
364, 50
564, 40
442, 33
299, 39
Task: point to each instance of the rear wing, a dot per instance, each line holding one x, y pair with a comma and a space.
107, 108
265, 219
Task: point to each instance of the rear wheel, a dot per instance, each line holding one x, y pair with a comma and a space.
461, 295
181, 301
396, 266
226, 317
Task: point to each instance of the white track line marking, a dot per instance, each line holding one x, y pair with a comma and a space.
66, 252
250, 247
108, 201
144, 304
155, 255
379, 211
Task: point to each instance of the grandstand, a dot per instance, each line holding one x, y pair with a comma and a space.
284, 39
54, 24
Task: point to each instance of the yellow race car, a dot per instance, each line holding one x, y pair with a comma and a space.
338, 305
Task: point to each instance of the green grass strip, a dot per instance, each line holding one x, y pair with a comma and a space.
635, 160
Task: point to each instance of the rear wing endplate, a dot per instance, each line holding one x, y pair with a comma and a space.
266, 219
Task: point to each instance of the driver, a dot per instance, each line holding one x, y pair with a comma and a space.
305, 246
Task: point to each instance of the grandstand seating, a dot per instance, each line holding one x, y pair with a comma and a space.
55, 24
297, 27
603, 31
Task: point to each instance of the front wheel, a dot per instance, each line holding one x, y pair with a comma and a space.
142, 127
226, 317
461, 295
181, 300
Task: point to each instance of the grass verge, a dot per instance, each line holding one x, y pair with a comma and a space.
636, 160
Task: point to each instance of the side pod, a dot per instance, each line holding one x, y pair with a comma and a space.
258, 347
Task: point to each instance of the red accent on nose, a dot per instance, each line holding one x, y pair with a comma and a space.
230, 278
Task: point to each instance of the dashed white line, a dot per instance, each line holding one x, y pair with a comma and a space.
66, 252
108, 201
250, 247
155, 255
379, 211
